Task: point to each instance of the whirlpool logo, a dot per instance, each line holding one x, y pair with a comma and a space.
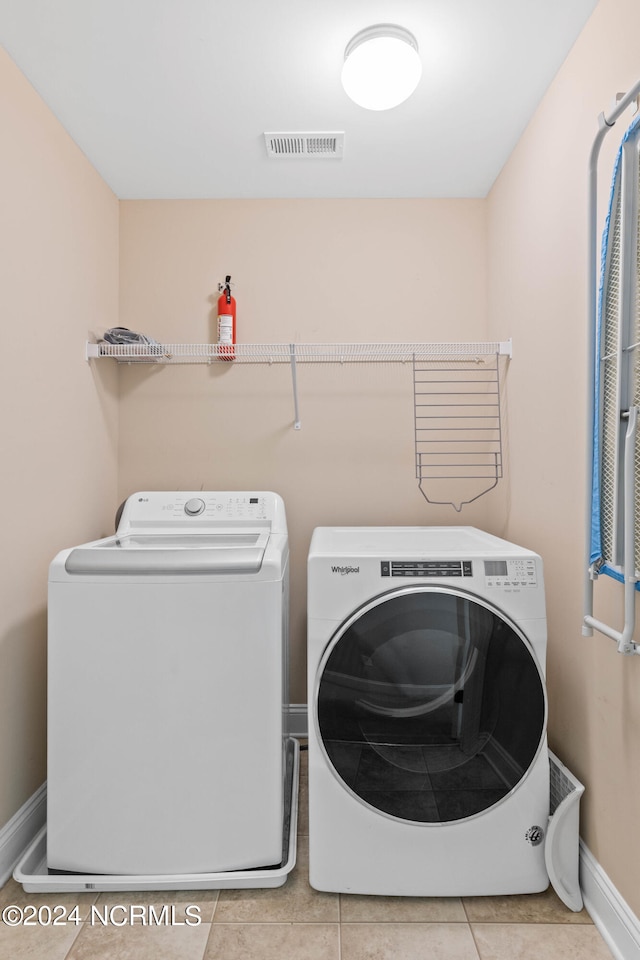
343, 571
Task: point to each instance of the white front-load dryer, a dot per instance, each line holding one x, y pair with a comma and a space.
428, 761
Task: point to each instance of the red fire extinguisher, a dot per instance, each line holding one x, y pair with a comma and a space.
226, 321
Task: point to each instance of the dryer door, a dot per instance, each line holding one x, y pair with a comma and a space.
430, 705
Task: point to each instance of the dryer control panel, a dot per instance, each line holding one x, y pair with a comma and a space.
426, 568
505, 574
510, 573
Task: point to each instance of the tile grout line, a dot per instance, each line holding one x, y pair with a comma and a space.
209, 935
464, 907
215, 909
473, 937
79, 929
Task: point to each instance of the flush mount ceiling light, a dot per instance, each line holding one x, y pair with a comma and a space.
381, 66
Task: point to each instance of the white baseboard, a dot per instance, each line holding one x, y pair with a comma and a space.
20, 831
614, 918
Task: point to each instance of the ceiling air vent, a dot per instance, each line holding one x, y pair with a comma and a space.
304, 146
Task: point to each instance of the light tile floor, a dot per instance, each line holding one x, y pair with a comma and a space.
294, 922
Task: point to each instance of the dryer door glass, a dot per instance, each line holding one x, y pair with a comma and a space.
431, 706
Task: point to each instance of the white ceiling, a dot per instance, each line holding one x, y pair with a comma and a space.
170, 98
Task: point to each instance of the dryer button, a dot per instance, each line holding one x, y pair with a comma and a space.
193, 507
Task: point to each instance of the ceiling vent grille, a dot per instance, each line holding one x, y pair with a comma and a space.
304, 146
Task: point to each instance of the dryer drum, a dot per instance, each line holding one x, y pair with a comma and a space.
431, 705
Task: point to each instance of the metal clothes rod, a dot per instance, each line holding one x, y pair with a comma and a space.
622, 637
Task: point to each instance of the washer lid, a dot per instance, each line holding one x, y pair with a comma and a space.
143, 554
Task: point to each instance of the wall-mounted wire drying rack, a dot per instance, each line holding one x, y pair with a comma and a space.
456, 394
458, 429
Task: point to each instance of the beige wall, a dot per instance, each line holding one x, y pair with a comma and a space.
306, 271
309, 271
537, 293
58, 278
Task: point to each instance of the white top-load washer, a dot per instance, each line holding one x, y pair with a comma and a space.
428, 762
167, 688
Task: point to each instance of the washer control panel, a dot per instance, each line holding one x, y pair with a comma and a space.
216, 506
200, 510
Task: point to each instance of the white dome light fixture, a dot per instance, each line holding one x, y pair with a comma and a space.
381, 66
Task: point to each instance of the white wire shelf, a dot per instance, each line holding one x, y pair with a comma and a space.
299, 352
463, 355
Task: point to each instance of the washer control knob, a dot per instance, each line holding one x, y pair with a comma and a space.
193, 507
